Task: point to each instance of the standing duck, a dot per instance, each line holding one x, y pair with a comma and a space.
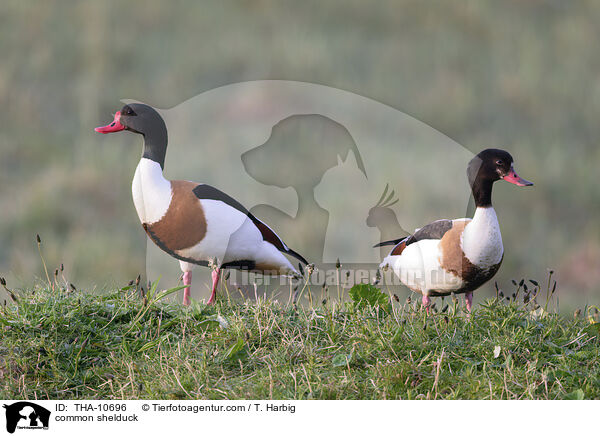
457, 256
195, 223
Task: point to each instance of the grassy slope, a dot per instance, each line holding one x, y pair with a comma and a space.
61, 345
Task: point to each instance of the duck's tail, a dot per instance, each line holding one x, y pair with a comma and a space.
392, 242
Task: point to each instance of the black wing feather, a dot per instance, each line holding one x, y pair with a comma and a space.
434, 230
392, 242
207, 192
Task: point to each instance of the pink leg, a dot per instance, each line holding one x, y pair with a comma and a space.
187, 282
215, 279
469, 300
426, 302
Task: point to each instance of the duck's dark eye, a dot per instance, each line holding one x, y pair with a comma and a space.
128, 111
499, 162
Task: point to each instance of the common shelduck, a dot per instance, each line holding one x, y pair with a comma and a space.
195, 223
457, 256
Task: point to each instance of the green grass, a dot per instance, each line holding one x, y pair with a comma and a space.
58, 344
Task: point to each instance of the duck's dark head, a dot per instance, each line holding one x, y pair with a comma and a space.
493, 164
145, 120
487, 167
135, 117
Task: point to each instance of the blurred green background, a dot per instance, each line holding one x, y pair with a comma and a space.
519, 75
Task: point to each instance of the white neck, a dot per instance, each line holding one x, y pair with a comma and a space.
481, 239
151, 191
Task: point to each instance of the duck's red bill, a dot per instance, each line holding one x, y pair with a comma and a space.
513, 178
115, 126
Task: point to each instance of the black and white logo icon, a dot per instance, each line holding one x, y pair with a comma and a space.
26, 415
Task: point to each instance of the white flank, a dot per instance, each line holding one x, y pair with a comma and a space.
481, 240
186, 266
231, 236
418, 267
151, 191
